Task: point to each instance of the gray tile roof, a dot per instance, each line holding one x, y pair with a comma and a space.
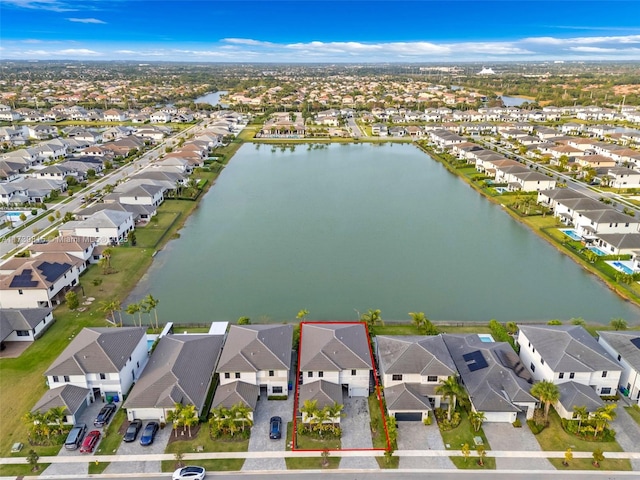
621, 342
334, 347
568, 348
406, 396
496, 387
250, 348
68, 396
12, 319
574, 394
179, 371
325, 393
621, 240
424, 355
98, 350
236, 392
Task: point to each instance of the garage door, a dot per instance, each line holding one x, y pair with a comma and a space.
409, 417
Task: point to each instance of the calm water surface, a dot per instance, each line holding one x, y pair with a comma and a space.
212, 98
513, 101
344, 228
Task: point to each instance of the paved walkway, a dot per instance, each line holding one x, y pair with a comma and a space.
504, 436
627, 433
416, 435
356, 433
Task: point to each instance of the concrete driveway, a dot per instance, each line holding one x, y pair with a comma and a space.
504, 436
356, 432
416, 436
260, 441
627, 432
87, 417
132, 449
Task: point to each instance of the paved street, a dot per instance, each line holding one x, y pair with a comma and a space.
627, 432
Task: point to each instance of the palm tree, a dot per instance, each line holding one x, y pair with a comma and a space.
152, 304
132, 309
57, 416
581, 413
372, 318
109, 308
310, 411
548, 393
302, 314
602, 416
175, 417
188, 417
450, 389
418, 319
242, 414
618, 323
476, 419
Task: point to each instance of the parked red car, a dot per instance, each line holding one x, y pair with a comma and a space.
90, 441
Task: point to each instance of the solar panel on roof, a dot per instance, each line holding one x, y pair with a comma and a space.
475, 360
24, 280
53, 271
636, 342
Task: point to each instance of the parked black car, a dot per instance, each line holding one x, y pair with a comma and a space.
105, 415
275, 428
132, 431
149, 433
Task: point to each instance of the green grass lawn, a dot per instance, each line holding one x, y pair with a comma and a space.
378, 433
97, 467
307, 442
587, 464
471, 463
208, 444
464, 433
21, 470
112, 438
310, 463
634, 411
554, 438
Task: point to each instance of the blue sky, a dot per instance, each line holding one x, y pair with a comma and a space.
320, 31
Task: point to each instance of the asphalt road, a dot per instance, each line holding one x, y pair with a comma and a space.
397, 474
355, 129
25, 237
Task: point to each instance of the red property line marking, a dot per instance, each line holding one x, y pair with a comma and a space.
377, 390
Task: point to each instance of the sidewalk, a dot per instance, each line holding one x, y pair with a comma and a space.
342, 454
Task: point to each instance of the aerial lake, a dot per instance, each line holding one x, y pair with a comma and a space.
338, 229
514, 101
212, 98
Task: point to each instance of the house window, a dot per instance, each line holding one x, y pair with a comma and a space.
55, 379
237, 374
605, 391
604, 374
619, 357
271, 373
227, 375
103, 376
22, 333
19, 292
310, 374
572, 375
97, 229
137, 364
561, 375
533, 367
66, 378
353, 372
277, 390
541, 361
533, 349
397, 376
320, 374
432, 378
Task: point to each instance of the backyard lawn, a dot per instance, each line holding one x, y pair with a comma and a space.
634, 411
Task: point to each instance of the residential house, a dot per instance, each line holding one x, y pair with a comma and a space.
606, 220
496, 381
24, 324
411, 369
560, 353
624, 347
622, 177
42, 132
180, 370
107, 361
258, 355
74, 399
618, 243
79, 247
113, 115
142, 195
338, 353
106, 226
323, 393
38, 282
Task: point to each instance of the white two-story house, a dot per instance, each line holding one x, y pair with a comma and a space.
106, 226
337, 353
568, 354
625, 348
106, 361
411, 369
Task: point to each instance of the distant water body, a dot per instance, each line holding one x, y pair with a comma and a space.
339, 229
513, 101
212, 98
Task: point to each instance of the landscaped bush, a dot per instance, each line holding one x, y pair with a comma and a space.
444, 423
500, 334
517, 423
277, 397
535, 428
586, 431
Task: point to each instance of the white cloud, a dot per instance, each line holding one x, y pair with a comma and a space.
86, 20
82, 52
51, 5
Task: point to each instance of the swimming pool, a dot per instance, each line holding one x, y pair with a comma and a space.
597, 251
16, 214
621, 267
486, 338
500, 190
571, 234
